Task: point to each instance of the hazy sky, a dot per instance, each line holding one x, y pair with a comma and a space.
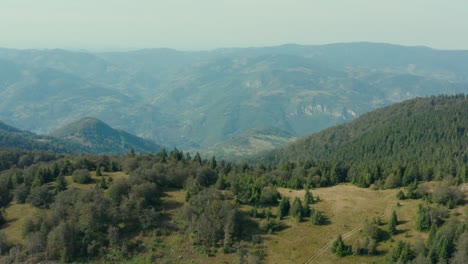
207, 24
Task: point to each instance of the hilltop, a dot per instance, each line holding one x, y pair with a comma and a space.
87, 135
101, 138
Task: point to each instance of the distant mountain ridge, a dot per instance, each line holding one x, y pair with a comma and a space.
196, 100
99, 136
88, 135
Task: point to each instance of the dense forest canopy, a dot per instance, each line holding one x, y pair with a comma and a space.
423, 138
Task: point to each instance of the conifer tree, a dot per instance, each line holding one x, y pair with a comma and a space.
317, 218
61, 184
296, 208
283, 207
102, 183
339, 248
392, 224
308, 198
98, 170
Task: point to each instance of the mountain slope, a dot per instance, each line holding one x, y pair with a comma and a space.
11, 137
250, 142
101, 138
195, 100
432, 130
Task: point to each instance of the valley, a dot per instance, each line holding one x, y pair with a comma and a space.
200, 100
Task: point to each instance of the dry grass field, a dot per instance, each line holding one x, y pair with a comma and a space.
345, 206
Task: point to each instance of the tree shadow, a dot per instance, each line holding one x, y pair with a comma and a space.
171, 205
381, 252
401, 231
402, 222
383, 235
8, 223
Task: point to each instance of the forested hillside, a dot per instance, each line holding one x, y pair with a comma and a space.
424, 128
423, 138
101, 138
11, 137
88, 135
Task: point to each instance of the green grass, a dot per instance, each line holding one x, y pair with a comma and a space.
16, 216
94, 179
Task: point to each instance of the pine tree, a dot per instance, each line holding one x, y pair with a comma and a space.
339, 248
61, 184
317, 218
423, 221
296, 208
306, 210
283, 207
98, 170
102, 183
213, 163
197, 158
308, 198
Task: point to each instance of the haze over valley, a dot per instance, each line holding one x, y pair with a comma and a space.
199, 100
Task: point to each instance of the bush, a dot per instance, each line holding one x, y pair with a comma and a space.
449, 196
40, 197
21, 193
81, 176
269, 196
269, 225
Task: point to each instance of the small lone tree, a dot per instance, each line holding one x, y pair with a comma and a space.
98, 170
102, 183
339, 248
308, 198
400, 195
283, 207
317, 218
81, 176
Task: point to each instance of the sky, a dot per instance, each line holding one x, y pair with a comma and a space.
210, 24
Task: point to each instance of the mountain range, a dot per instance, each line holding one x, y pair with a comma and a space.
87, 135
206, 99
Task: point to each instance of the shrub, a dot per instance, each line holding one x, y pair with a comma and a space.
81, 176
40, 197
